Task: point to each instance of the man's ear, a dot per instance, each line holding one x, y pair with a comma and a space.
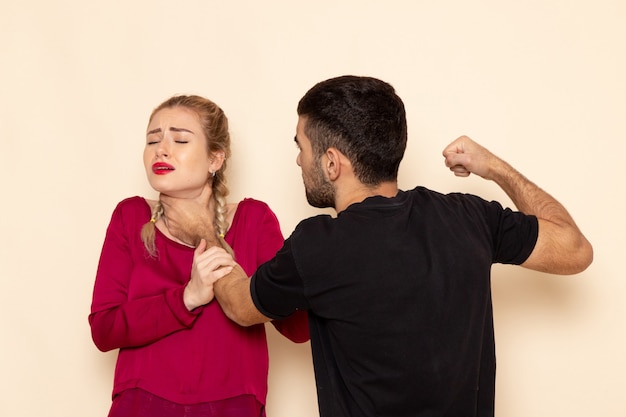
333, 163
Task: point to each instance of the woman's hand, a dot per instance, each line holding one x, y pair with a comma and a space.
209, 265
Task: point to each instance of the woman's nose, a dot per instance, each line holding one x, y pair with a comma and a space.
162, 151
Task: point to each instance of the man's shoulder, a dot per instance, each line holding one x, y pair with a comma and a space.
421, 195
312, 228
315, 222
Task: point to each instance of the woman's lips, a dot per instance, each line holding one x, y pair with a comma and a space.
161, 168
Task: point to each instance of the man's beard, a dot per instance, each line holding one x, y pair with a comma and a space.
321, 193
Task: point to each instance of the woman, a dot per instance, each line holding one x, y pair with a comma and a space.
179, 354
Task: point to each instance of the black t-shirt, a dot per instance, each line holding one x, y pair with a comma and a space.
399, 301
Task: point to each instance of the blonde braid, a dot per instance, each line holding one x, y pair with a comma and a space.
148, 230
220, 191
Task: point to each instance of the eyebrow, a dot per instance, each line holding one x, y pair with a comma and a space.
172, 129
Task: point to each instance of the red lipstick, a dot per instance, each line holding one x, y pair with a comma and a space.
161, 168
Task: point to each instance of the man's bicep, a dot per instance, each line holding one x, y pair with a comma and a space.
547, 255
553, 253
276, 287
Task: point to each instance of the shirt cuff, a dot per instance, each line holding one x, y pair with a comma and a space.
176, 303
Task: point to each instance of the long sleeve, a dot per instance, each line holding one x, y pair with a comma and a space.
122, 314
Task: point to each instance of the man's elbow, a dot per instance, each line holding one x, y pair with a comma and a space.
247, 322
240, 318
244, 314
581, 256
585, 255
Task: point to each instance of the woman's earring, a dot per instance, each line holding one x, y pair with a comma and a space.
213, 173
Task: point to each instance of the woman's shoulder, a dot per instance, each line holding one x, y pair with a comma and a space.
252, 210
249, 203
253, 207
134, 208
134, 203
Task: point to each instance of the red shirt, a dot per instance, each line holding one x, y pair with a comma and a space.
185, 357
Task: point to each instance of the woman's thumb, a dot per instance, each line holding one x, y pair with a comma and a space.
201, 247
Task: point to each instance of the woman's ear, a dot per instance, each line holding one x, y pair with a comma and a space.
217, 160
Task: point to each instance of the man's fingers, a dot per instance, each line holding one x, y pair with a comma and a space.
460, 171
200, 248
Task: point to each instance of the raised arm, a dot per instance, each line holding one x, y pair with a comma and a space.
561, 247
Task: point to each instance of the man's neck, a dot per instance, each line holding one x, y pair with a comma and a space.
359, 193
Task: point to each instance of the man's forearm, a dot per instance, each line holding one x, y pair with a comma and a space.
529, 198
233, 294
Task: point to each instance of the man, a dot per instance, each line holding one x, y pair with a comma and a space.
397, 286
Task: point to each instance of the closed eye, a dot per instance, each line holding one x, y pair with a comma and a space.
153, 137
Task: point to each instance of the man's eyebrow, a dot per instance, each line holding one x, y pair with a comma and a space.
295, 139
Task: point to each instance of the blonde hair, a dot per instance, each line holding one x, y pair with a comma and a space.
215, 127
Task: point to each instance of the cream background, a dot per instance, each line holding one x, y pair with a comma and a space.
539, 82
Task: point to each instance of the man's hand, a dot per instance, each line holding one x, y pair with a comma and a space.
190, 219
464, 157
209, 265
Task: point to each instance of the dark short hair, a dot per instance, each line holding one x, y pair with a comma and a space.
363, 118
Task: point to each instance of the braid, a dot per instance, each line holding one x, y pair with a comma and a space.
148, 230
220, 191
